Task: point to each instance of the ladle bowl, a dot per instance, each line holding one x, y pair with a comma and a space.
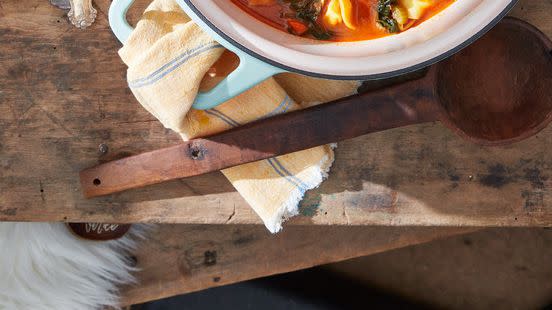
499, 90
494, 92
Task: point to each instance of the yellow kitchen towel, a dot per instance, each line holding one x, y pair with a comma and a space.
167, 56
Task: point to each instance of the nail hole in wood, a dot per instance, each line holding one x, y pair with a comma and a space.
210, 258
97, 182
103, 148
196, 153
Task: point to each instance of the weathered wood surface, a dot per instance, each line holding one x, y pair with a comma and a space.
63, 94
179, 259
495, 268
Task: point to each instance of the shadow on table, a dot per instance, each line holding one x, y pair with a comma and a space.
310, 289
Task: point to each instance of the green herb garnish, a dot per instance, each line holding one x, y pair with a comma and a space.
308, 12
385, 18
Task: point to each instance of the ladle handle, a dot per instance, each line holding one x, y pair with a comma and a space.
409, 103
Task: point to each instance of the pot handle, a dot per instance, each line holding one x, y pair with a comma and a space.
117, 19
250, 72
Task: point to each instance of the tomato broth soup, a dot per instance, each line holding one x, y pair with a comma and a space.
343, 20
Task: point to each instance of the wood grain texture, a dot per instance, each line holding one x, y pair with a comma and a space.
179, 259
63, 94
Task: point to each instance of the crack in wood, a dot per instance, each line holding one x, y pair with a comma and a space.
32, 102
231, 215
139, 121
41, 191
346, 215
56, 121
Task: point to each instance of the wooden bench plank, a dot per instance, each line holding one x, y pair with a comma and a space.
63, 93
179, 259
474, 271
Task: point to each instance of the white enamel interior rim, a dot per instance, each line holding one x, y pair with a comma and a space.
445, 31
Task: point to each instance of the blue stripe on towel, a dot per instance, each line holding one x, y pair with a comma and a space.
279, 164
163, 67
275, 163
225, 118
281, 108
285, 176
172, 65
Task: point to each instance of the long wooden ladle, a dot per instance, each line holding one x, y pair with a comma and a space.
496, 91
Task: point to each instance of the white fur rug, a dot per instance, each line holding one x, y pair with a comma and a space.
44, 266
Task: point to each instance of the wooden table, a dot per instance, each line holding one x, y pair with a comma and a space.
63, 94
65, 106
